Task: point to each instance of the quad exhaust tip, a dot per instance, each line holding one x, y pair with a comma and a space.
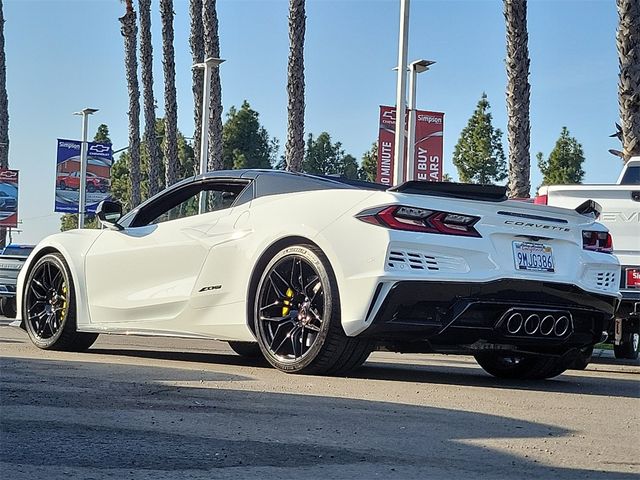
549, 325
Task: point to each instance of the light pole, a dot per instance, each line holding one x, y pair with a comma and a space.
83, 164
401, 89
415, 68
207, 65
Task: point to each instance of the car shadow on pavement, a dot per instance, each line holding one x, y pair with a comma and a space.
402, 372
104, 420
583, 383
192, 357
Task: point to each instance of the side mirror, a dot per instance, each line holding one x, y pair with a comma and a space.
109, 213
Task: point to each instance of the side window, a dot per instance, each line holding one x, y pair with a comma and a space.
184, 203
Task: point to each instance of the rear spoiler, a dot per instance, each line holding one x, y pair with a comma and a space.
467, 191
590, 209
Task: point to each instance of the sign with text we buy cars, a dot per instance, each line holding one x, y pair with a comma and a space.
428, 145
8, 198
98, 179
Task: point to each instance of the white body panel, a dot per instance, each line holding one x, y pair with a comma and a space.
190, 277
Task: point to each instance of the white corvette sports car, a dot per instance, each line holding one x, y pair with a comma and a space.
315, 272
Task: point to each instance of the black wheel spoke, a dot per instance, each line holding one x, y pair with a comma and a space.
275, 319
37, 283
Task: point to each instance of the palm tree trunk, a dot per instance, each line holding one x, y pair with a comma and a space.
196, 41
518, 91
129, 32
212, 50
170, 102
294, 149
4, 113
628, 41
146, 60
4, 102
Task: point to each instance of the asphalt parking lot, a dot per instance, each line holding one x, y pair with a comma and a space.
134, 407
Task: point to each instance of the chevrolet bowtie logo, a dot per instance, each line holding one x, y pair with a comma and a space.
99, 148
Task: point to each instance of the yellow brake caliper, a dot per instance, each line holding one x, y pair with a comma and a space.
63, 312
287, 302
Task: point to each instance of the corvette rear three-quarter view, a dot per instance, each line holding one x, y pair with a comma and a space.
316, 272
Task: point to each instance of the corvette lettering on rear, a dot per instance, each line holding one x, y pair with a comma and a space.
542, 226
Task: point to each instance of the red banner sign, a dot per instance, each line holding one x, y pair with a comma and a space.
428, 145
8, 198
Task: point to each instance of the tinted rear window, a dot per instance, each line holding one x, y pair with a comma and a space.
631, 176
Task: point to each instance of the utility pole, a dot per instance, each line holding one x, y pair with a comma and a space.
207, 65
82, 202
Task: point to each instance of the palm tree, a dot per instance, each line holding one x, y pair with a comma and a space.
170, 102
4, 102
146, 61
4, 113
628, 41
518, 91
294, 149
196, 40
129, 31
212, 50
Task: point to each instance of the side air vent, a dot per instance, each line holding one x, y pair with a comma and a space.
424, 262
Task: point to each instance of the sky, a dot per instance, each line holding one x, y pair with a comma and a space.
65, 55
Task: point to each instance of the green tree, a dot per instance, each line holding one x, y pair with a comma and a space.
369, 168
323, 157
564, 165
120, 179
478, 155
69, 221
102, 134
246, 143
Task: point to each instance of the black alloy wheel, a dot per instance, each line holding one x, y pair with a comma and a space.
49, 307
297, 316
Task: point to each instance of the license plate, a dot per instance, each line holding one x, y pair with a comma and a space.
533, 257
633, 277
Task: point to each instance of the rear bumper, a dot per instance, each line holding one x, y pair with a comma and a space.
464, 313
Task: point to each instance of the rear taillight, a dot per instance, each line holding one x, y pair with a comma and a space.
540, 199
412, 219
597, 241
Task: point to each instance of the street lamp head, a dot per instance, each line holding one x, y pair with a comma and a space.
212, 62
86, 111
420, 66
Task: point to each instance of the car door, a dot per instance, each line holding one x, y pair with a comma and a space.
146, 272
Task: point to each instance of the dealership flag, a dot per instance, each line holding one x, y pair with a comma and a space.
98, 186
428, 147
8, 198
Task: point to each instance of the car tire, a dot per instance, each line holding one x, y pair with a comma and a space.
297, 316
246, 349
583, 359
628, 349
8, 307
91, 187
62, 186
49, 307
520, 367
